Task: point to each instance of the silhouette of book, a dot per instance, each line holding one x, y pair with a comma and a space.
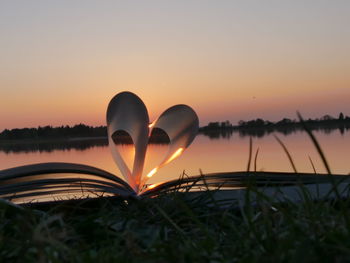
128, 116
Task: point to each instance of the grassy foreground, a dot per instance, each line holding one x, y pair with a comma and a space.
173, 229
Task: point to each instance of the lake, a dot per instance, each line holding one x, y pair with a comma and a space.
208, 155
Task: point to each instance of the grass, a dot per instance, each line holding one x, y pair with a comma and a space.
171, 228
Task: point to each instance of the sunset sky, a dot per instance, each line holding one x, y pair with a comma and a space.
62, 61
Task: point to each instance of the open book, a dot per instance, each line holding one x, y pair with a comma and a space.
127, 116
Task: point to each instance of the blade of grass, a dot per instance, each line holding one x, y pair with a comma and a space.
315, 142
312, 164
287, 153
165, 215
250, 153
256, 158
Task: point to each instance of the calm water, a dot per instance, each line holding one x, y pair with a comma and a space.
209, 155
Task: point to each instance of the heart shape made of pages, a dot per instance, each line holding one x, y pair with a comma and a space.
126, 112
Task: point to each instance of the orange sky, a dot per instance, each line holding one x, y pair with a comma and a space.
62, 62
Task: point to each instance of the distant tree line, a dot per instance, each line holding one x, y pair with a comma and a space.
63, 134
225, 129
49, 132
260, 127
324, 121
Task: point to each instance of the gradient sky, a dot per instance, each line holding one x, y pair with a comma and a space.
62, 61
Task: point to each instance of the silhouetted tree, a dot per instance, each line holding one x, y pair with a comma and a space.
327, 117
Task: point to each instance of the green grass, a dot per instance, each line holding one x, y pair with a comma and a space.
172, 229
